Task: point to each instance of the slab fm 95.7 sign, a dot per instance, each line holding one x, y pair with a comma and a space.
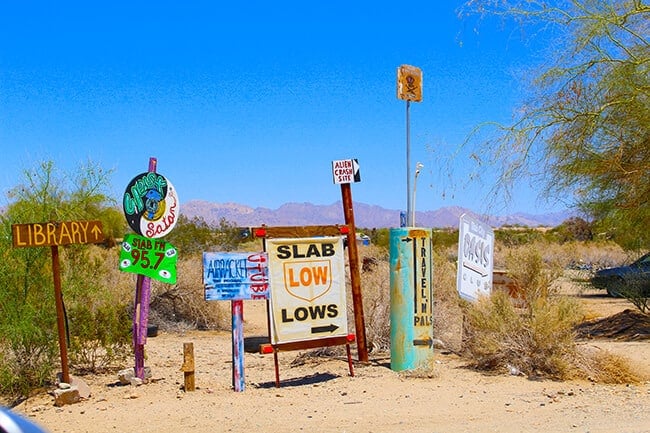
153, 258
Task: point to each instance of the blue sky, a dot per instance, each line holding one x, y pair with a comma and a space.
251, 103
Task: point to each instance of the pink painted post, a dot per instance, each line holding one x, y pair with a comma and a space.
237, 307
141, 311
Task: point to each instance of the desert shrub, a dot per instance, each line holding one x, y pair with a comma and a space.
378, 237
513, 236
445, 238
97, 298
538, 342
573, 229
539, 338
100, 336
375, 286
28, 348
447, 314
526, 266
604, 367
182, 305
191, 236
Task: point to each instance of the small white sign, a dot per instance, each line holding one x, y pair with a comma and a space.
475, 258
346, 171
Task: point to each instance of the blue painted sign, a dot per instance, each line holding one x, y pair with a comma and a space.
235, 276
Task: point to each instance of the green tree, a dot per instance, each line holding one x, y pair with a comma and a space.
573, 229
28, 340
584, 129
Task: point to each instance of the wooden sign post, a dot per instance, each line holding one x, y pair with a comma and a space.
53, 234
345, 172
151, 208
234, 277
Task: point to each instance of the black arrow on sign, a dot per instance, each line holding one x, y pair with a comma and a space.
423, 342
320, 329
407, 240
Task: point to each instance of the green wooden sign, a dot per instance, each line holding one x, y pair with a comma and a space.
153, 258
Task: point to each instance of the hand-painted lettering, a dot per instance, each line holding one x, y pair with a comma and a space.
312, 312
308, 276
311, 250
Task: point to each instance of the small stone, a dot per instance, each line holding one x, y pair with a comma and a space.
84, 389
125, 376
63, 397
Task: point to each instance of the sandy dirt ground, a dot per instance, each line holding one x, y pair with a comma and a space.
320, 396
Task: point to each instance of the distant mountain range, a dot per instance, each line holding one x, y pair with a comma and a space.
365, 215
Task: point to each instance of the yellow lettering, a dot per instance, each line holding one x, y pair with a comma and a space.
65, 233
76, 234
51, 234
39, 236
18, 242
84, 231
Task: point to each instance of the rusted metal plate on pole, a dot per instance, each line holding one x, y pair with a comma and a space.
409, 83
56, 233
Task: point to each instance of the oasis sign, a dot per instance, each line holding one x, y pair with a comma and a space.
307, 277
475, 258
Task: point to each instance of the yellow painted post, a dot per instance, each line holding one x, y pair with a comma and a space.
188, 366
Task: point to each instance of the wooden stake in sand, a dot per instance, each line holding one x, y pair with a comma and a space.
188, 366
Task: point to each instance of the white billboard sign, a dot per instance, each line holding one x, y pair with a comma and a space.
475, 258
307, 278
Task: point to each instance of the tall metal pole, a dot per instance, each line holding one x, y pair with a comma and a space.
418, 166
408, 163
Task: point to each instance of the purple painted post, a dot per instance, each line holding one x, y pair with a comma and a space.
141, 311
237, 307
140, 322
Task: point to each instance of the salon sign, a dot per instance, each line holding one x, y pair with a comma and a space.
151, 205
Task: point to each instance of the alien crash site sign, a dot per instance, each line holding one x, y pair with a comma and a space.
307, 277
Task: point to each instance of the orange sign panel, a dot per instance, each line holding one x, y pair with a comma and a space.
57, 233
409, 83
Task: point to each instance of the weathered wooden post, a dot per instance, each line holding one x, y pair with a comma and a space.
188, 366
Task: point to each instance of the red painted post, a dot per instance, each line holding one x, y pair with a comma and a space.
355, 277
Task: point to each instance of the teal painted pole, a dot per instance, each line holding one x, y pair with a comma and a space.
411, 298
